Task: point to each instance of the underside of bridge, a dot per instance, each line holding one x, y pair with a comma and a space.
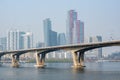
78, 57
77, 52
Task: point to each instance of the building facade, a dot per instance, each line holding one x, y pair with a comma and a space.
3, 44
47, 31
15, 40
53, 38
74, 29
50, 36
61, 39
78, 32
27, 40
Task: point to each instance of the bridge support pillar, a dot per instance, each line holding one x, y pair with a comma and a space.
15, 60
40, 60
81, 59
78, 59
0, 58
0, 61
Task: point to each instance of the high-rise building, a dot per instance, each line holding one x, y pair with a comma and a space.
14, 40
71, 18
47, 31
78, 32
61, 39
3, 44
75, 28
19, 40
53, 38
27, 40
50, 37
95, 52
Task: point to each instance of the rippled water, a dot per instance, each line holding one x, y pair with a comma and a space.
62, 71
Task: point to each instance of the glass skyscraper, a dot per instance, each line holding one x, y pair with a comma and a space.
75, 28
14, 40
53, 38
19, 40
50, 37
47, 31
3, 44
27, 40
61, 39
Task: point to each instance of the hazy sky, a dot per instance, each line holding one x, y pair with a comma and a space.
101, 17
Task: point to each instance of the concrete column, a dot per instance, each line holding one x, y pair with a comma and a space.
78, 59
0, 61
81, 59
40, 59
75, 59
43, 58
15, 60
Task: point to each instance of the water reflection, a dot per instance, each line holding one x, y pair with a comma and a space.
62, 71
79, 70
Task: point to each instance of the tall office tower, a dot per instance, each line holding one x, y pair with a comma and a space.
47, 31
3, 44
78, 32
81, 32
50, 37
27, 40
71, 18
14, 40
96, 52
61, 39
53, 38
75, 28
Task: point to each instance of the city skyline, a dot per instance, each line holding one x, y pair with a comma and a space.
28, 15
100, 17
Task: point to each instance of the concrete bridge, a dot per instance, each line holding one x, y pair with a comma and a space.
77, 51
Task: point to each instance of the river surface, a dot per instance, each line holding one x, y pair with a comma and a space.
61, 71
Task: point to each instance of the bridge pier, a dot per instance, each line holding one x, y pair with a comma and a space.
0, 59
15, 61
81, 58
40, 60
78, 59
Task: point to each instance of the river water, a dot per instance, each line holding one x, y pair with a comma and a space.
61, 71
